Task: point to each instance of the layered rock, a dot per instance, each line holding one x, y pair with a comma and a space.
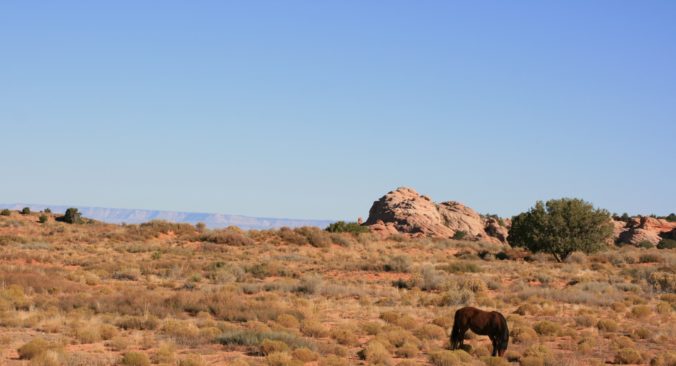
405, 211
643, 229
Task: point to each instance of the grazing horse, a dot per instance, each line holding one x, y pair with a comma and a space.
490, 323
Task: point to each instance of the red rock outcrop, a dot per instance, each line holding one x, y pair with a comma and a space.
408, 212
642, 229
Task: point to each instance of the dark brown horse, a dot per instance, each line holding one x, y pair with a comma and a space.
490, 323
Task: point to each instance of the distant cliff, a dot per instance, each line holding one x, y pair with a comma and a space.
212, 220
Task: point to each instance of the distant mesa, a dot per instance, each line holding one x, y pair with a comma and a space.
212, 220
405, 211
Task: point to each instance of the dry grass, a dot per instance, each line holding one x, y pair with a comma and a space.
174, 294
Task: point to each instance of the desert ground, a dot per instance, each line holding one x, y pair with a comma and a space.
176, 294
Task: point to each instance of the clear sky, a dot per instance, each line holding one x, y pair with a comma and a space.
314, 109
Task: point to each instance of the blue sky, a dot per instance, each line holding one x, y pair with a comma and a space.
308, 109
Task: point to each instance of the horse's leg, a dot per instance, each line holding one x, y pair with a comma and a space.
495, 346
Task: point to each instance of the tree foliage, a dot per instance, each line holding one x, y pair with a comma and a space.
561, 227
72, 216
346, 227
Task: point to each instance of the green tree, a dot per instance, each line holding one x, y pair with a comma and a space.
26, 211
561, 227
72, 216
346, 227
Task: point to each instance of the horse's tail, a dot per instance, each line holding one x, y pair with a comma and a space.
504, 340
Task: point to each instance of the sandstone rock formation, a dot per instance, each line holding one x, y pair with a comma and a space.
643, 229
405, 211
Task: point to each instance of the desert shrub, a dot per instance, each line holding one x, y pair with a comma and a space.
165, 354
292, 236
35, 347
197, 360
315, 236
449, 358
461, 267
226, 237
666, 244
49, 358
26, 211
628, 356
456, 297
250, 337
584, 320
72, 216
607, 325
494, 361
344, 335
667, 358
305, 355
288, 321
375, 353
407, 350
87, 333
313, 328
640, 311
346, 227
118, 343
645, 244
43, 219
663, 281
430, 331
649, 258
400, 263
561, 227
429, 279
523, 334
138, 322
309, 284
107, 331
547, 328
332, 360
281, 359
269, 346
5, 212
663, 308
135, 359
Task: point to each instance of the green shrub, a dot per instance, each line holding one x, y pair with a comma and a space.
346, 227
561, 227
5, 212
459, 235
671, 217
135, 359
72, 216
666, 244
43, 219
26, 211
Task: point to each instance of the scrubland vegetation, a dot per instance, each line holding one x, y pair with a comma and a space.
176, 294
